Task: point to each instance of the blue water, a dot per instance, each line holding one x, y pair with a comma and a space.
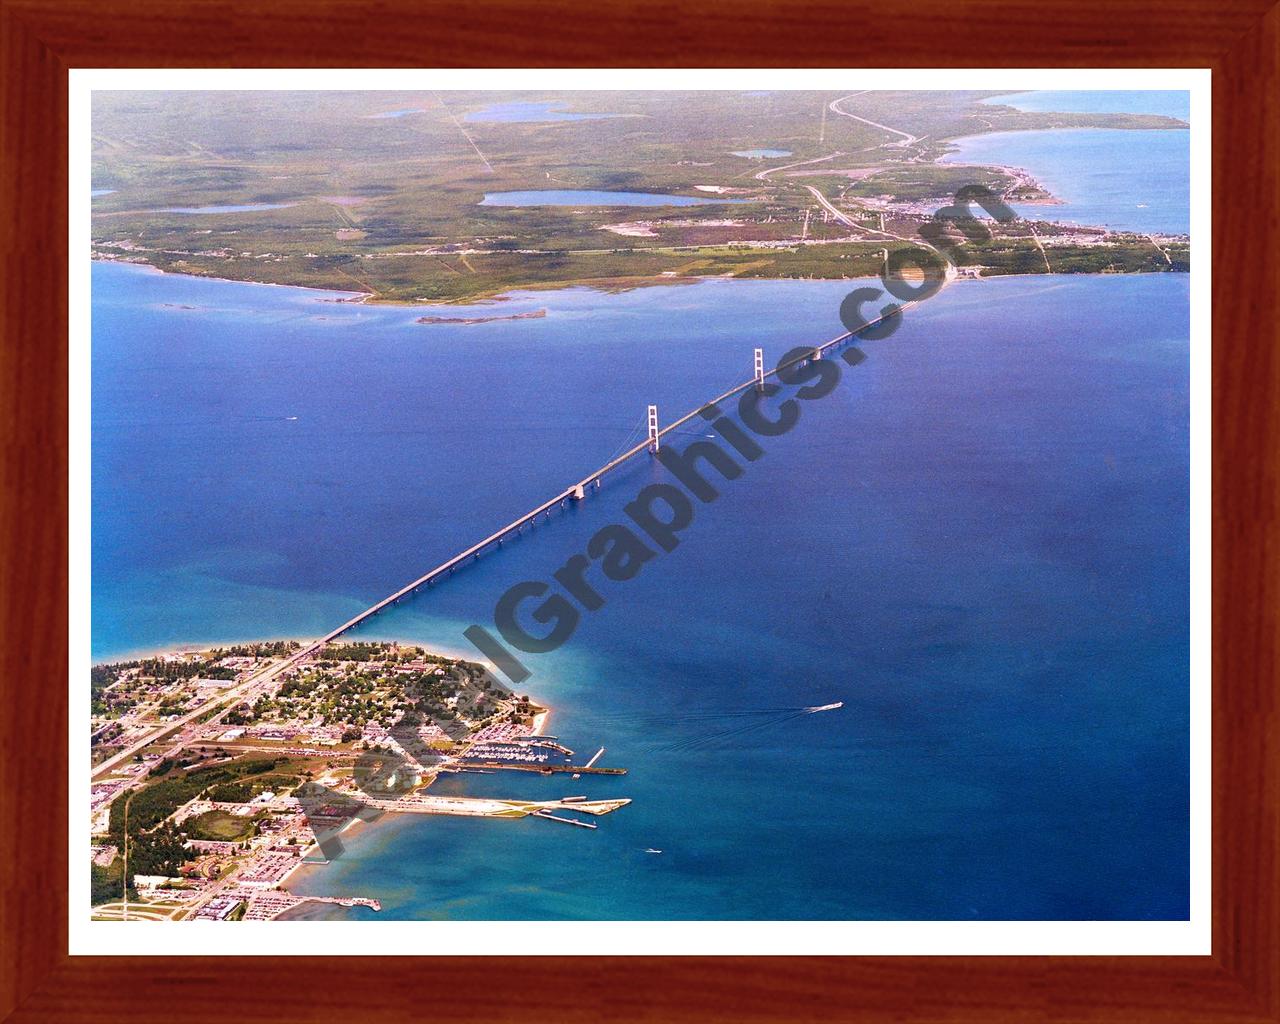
244, 208
531, 112
396, 113
1127, 180
1105, 101
760, 153
978, 543
101, 192
589, 197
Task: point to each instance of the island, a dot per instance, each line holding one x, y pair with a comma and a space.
219, 773
536, 314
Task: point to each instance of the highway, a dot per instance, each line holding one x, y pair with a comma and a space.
907, 137
261, 676
764, 175
844, 219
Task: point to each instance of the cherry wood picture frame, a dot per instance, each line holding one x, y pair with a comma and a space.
41, 39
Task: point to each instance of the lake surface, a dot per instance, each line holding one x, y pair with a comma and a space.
1127, 180
244, 208
102, 192
587, 197
978, 543
395, 113
507, 113
757, 154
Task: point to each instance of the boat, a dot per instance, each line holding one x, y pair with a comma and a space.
825, 707
650, 849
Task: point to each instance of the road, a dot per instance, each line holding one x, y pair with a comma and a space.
764, 175
907, 137
1043, 255
260, 677
844, 219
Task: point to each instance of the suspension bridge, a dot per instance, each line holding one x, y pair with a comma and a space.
579, 490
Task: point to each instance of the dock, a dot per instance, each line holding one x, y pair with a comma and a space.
542, 768
566, 821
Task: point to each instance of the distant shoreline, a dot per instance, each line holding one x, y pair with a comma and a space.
603, 285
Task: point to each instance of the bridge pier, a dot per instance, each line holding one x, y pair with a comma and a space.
759, 369
654, 441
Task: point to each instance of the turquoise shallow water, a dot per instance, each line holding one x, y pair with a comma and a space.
978, 543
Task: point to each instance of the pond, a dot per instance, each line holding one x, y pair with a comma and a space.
243, 208
508, 113
588, 197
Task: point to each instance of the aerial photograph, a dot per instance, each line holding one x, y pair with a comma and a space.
655, 505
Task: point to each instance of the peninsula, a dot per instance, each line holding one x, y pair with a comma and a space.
219, 773
496, 203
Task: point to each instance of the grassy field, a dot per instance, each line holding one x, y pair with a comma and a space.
391, 206
220, 825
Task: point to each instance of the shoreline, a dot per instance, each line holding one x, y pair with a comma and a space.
596, 284
143, 654
304, 871
94, 258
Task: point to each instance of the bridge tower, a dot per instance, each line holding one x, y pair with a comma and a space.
653, 429
759, 369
